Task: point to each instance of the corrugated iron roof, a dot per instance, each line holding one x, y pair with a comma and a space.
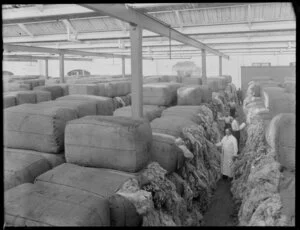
190, 14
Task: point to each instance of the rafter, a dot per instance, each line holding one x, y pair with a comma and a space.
130, 15
179, 18
24, 28
12, 48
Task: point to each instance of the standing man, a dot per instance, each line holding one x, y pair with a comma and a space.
240, 96
229, 153
232, 107
227, 119
236, 129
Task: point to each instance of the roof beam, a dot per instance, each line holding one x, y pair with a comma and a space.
121, 25
130, 15
68, 24
50, 12
24, 28
210, 41
44, 58
179, 18
203, 30
12, 48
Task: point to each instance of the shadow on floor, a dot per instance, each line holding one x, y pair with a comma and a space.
222, 206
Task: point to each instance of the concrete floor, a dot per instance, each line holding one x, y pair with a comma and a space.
221, 208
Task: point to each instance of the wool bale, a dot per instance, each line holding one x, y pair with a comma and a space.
104, 104
220, 82
85, 89
213, 84
290, 86
174, 78
164, 78
289, 78
100, 182
160, 93
287, 193
152, 79
291, 100
9, 101
116, 89
16, 86
63, 86
206, 93
166, 152
171, 125
191, 80
268, 84
34, 82
82, 107
101, 89
36, 127
22, 166
119, 143
258, 111
42, 96
150, 112
188, 112
280, 135
45, 205
254, 90
276, 100
55, 90
262, 78
23, 97
228, 79
189, 95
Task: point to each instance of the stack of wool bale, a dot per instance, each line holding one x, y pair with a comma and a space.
34, 138
102, 154
199, 172
193, 95
56, 90
118, 90
26, 82
21, 97
150, 112
160, 94
217, 83
264, 173
278, 101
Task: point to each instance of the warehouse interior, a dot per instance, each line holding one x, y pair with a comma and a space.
153, 114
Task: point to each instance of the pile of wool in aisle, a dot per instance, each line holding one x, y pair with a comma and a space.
263, 187
181, 197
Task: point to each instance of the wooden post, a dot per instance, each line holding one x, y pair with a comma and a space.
204, 77
136, 71
61, 68
123, 67
46, 68
220, 65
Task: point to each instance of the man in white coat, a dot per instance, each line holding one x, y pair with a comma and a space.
229, 153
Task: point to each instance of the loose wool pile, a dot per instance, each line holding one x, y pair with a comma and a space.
256, 184
180, 197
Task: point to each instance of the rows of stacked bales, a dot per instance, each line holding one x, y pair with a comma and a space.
264, 173
183, 145
22, 83
34, 129
102, 175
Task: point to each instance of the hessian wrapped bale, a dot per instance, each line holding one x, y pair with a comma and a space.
36, 127
21, 166
103, 183
45, 205
119, 143
150, 112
